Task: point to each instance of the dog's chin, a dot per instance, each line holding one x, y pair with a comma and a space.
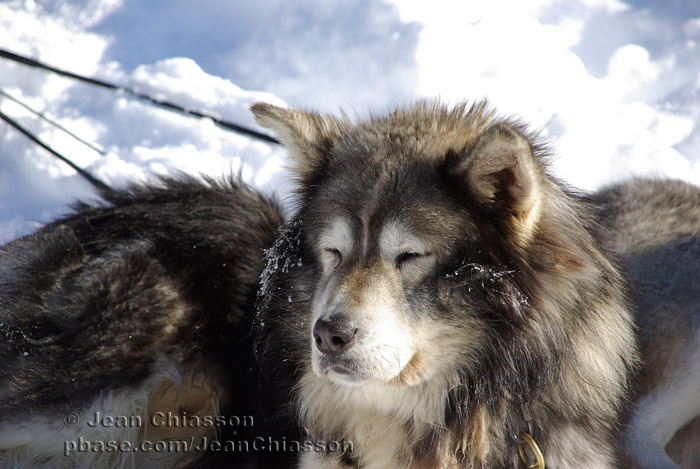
349, 373
345, 372
342, 375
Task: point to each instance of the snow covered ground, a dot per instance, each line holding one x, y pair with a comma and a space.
615, 86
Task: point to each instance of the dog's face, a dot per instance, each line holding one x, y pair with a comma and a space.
393, 213
373, 308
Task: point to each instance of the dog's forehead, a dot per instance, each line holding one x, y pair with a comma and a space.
395, 237
391, 225
382, 202
392, 235
389, 179
337, 234
386, 151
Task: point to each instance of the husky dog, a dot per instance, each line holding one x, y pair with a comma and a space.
439, 300
124, 327
655, 227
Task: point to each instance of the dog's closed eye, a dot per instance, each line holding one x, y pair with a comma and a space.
331, 258
406, 258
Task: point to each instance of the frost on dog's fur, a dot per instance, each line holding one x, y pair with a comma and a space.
438, 351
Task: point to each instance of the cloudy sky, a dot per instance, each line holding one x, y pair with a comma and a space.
613, 85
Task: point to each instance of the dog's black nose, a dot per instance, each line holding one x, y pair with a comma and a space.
334, 336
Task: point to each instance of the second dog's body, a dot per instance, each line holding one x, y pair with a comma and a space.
124, 328
655, 229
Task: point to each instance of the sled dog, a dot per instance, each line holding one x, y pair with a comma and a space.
125, 328
655, 228
439, 300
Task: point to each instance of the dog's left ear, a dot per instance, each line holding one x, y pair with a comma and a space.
501, 171
307, 136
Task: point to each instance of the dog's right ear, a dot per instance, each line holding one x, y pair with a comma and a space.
307, 136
